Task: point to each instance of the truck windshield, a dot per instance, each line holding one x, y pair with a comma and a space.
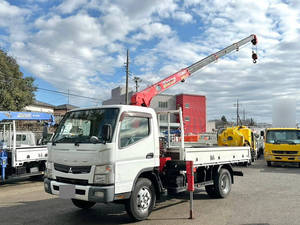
283, 137
80, 126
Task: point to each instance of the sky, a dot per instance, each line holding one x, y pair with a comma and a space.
79, 47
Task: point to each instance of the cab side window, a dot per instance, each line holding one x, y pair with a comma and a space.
133, 129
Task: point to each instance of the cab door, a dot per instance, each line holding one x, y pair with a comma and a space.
135, 149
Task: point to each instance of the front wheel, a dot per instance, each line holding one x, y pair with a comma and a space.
83, 204
142, 200
269, 163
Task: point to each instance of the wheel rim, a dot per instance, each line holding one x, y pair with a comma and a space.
143, 199
225, 183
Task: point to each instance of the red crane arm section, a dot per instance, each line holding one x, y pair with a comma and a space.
143, 98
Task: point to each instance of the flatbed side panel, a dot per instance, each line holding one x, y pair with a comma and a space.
218, 155
31, 154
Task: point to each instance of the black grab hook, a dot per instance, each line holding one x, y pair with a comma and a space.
254, 56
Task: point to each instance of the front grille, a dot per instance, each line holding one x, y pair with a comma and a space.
72, 169
77, 191
285, 152
72, 181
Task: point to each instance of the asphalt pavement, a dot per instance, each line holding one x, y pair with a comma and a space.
264, 196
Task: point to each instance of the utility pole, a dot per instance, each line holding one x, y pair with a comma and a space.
127, 74
136, 80
237, 112
68, 96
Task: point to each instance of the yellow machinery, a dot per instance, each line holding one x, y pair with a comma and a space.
238, 136
282, 145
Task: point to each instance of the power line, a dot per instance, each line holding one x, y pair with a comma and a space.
67, 93
45, 89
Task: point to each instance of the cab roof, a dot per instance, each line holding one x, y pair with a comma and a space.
284, 128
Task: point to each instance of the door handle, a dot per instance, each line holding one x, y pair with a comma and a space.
150, 155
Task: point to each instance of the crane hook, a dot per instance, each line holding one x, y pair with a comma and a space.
254, 56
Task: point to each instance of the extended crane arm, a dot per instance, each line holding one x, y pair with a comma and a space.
144, 97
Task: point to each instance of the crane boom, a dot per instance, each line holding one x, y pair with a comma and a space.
144, 97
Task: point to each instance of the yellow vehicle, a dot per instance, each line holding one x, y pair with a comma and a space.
239, 136
282, 145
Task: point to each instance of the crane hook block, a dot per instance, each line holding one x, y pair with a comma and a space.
254, 40
254, 56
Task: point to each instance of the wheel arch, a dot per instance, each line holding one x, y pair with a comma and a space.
229, 168
152, 175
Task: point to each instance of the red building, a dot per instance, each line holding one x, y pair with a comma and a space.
193, 112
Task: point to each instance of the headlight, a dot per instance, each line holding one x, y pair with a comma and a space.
104, 174
103, 169
100, 179
268, 157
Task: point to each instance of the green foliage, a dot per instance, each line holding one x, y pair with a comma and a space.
16, 92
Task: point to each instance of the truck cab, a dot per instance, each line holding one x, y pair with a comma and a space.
105, 149
282, 145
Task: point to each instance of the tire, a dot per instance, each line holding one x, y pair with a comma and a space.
252, 156
142, 200
258, 153
222, 183
211, 191
83, 204
269, 163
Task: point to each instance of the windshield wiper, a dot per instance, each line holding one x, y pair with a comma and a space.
60, 140
93, 140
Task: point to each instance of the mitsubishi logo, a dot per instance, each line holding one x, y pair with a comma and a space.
70, 170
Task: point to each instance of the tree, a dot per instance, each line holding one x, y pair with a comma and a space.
16, 92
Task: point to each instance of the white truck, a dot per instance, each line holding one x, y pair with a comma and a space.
112, 154
22, 153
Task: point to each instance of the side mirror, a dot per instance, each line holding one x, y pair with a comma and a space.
45, 131
106, 132
94, 140
262, 133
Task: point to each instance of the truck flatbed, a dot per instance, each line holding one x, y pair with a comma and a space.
207, 156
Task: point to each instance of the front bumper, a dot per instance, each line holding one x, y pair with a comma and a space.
103, 194
282, 158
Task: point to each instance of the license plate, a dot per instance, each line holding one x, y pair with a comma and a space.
67, 191
34, 170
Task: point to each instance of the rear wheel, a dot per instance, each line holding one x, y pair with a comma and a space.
222, 183
269, 163
142, 200
83, 204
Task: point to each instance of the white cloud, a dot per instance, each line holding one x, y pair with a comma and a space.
69, 47
183, 16
69, 6
9, 12
153, 30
